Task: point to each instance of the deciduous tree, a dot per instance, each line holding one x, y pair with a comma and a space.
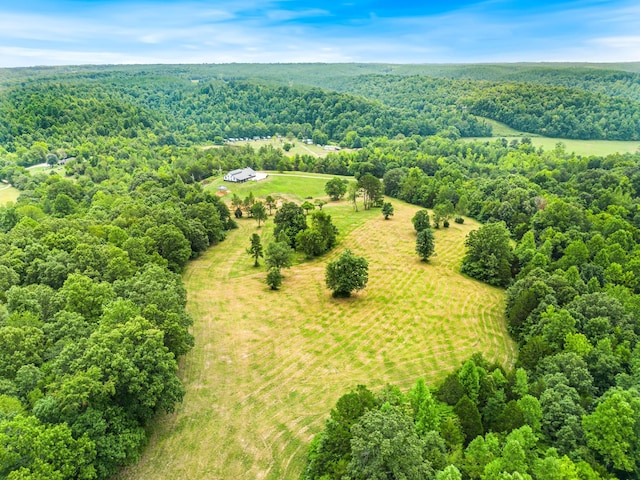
421, 220
372, 189
387, 210
278, 255
336, 188
346, 274
259, 212
255, 249
274, 278
489, 254
425, 244
289, 220
385, 445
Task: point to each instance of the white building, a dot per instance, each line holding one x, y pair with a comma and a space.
241, 175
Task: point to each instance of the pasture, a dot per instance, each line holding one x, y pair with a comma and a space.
8, 194
268, 366
579, 147
298, 148
294, 186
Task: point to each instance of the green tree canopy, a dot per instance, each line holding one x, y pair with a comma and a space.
289, 220
336, 188
425, 244
387, 210
278, 255
255, 249
385, 445
421, 220
489, 254
259, 212
346, 274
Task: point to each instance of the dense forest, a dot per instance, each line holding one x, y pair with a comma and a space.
188, 105
179, 112
572, 304
92, 306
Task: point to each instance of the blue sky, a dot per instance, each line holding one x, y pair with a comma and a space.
69, 32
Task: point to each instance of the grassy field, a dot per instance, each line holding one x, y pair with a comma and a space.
268, 366
8, 194
579, 147
502, 130
298, 148
46, 169
295, 186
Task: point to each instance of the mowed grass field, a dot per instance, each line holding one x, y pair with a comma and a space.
297, 146
294, 186
579, 147
268, 366
8, 194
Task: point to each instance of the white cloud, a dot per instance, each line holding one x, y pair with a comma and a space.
285, 15
19, 56
620, 42
274, 31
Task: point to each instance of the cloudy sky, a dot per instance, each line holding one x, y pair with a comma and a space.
63, 32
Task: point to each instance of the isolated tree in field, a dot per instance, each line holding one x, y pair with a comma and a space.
336, 188
289, 220
421, 220
489, 254
307, 206
255, 249
425, 244
274, 278
346, 274
387, 210
270, 202
259, 212
319, 203
278, 255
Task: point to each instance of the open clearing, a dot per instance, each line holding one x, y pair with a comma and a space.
579, 147
8, 193
268, 366
294, 186
298, 147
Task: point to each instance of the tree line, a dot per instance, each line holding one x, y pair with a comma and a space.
561, 232
92, 316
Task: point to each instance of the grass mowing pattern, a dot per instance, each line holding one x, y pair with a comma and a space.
268, 366
8, 194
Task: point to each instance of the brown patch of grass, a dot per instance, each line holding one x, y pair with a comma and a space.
268, 366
